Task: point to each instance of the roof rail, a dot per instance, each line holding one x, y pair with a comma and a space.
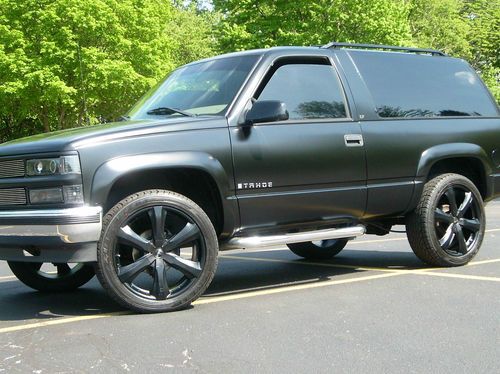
433, 52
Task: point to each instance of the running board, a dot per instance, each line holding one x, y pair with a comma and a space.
298, 237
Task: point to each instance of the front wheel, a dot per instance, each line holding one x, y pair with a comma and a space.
447, 226
57, 277
320, 250
157, 253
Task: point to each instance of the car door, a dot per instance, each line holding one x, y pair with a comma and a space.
309, 168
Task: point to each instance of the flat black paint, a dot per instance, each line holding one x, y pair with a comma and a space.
315, 177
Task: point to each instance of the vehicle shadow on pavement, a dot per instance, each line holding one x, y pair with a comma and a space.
238, 272
249, 271
21, 303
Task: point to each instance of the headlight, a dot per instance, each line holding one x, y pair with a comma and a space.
54, 166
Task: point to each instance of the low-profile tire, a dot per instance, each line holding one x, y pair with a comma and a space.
157, 253
447, 226
65, 278
321, 250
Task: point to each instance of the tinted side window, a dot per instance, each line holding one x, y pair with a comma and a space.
405, 85
308, 90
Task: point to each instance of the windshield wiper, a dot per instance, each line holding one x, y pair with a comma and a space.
166, 111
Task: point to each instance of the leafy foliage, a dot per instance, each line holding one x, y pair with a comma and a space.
265, 23
65, 63
469, 29
73, 62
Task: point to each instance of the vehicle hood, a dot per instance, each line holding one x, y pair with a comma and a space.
69, 140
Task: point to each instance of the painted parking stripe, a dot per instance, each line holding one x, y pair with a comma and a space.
459, 276
396, 239
320, 264
7, 278
59, 321
298, 287
205, 300
355, 267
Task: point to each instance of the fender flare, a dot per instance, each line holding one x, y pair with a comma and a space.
451, 150
108, 173
442, 152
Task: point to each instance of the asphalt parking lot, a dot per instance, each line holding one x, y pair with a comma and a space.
375, 308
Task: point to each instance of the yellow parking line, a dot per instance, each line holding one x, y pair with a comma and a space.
395, 239
299, 287
460, 276
58, 321
355, 267
10, 277
483, 262
321, 264
205, 300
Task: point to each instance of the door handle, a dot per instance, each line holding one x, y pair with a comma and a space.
354, 140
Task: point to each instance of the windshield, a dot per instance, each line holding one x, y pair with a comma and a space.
205, 88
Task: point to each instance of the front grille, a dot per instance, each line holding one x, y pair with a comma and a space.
12, 169
13, 196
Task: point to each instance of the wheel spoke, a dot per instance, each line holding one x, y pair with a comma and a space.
127, 236
452, 200
187, 235
130, 272
466, 204
473, 225
62, 269
447, 238
462, 245
160, 286
158, 216
190, 269
441, 216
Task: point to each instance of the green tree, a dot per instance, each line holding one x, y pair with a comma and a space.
440, 24
70, 62
264, 23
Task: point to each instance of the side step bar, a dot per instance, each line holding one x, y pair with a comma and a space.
299, 237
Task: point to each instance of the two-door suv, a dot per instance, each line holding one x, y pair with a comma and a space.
301, 146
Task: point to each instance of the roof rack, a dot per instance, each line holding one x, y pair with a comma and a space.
433, 52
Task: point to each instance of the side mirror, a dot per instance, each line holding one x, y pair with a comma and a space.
266, 111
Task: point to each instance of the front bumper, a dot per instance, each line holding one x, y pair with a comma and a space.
57, 235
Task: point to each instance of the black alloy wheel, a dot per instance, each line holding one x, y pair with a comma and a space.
458, 218
57, 277
158, 252
447, 226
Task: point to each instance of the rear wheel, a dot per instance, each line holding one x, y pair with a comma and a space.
319, 250
158, 251
55, 277
447, 226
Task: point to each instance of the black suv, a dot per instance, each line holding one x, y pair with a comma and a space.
304, 146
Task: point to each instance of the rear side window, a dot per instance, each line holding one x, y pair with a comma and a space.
404, 85
309, 91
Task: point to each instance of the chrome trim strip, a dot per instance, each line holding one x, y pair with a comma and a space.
82, 212
57, 226
67, 234
309, 236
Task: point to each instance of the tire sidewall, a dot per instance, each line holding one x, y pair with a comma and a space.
106, 249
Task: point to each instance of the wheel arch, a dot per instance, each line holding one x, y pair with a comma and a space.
467, 159
197, 175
